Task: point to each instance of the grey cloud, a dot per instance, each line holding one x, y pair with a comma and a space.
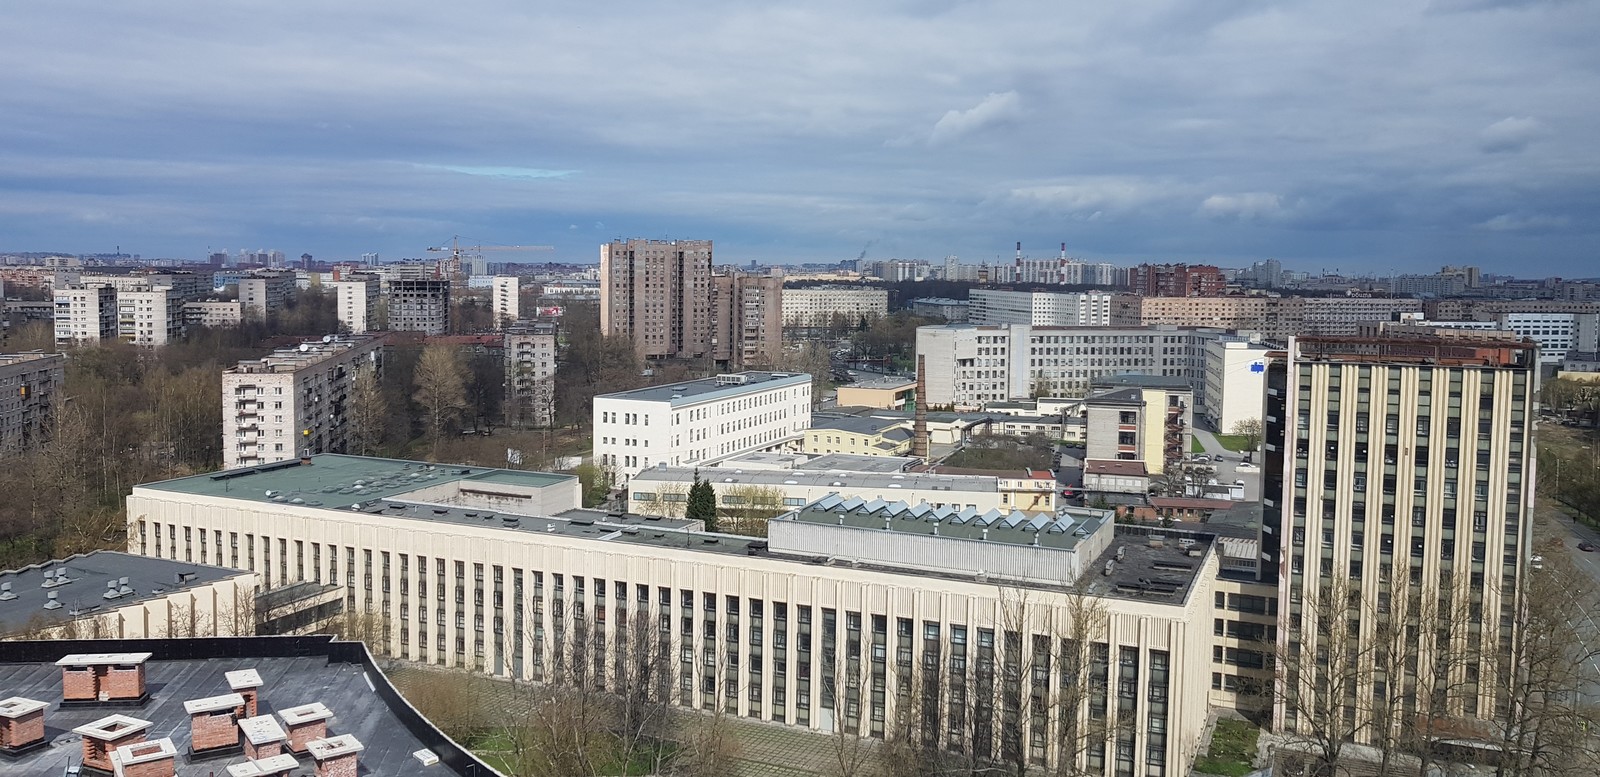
1513, 133
994, 109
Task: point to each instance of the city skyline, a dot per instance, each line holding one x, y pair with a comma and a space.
1379, 138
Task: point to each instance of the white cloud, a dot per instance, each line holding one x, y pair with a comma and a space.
1513, 133
1248, 205
996, 109
1512, 222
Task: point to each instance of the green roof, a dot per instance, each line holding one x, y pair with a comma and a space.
334, 480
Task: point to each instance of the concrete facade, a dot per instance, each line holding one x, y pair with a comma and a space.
530, 353
1039, 308
818, 306
293, 400
419, 306
357, 303
746, 319
85, 315
29, 383
507, 299
658, 294
1235, 382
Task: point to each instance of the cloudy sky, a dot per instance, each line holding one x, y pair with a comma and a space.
1363, 135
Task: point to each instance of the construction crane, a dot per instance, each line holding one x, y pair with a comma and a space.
457, 251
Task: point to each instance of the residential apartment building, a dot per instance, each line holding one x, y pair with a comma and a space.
1336, 316
356, 301
419, 306
1239, 312
658, 294
1176, 280
85, 315
1039, 308
815, 626
1398, 478
507, 299
819, 306
213, 313
264, 294
970, 365
1235, 382
29, 383
700, 421
530, 353
188, 285
150, 317
746, 318
1140, 418
293, 401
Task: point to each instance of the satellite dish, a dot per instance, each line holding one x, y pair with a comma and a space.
305, 347
327, 338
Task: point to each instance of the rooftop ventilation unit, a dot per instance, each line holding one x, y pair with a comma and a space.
5, 592
51, 603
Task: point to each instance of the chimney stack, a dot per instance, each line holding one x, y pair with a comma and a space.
21, 725
919, 428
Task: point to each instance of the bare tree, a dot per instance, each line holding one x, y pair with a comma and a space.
1321, 669
747, 508
440, 391
1250, 430
368, 412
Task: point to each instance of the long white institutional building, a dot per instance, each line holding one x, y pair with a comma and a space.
700, 421
814, 626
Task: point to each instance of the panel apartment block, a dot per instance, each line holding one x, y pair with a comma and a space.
356, 300
419, 306
294, 400
29, 383
821, 305
658, 293
530, 353
747, 319
85, 314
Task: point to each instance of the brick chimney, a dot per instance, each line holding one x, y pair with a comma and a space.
105, 735
156, 758
276, 766
246, 683
336, 756
305, 722
213, 723
103, 678
21, 725
919, 426
263, 737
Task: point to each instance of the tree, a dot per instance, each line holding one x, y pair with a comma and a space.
809, 358
440, 391
1322, 667
753, 506
368, 412
1250, 430
702, 503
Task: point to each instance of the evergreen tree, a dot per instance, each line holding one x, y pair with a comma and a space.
702, 503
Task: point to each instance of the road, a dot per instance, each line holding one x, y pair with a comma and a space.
1227, 464
1553, 522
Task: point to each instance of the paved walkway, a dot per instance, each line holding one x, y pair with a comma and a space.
1209, 442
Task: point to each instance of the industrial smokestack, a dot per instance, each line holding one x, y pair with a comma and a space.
1019, 253
919, 427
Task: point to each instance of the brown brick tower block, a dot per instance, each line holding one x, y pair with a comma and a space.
336, 756
305, 722
263, 737
213, 722
156, 758
107, 734
21, 725
103, 678
246, 683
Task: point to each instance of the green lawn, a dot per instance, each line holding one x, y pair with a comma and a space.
1195, 446
1233, 442
1233, 748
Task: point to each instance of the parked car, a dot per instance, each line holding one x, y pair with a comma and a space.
1586, 547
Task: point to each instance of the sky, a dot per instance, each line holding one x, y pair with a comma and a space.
1364, 136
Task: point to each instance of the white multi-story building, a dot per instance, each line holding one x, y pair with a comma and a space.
213, 313
356, 300
1556, 333
28, 386
294, 400
700, 421
264, 294
530, 352
818, 305
1235, 382
1039, 308
507, 304
150, 317
813, 626
969, 365
85, 314
188, 285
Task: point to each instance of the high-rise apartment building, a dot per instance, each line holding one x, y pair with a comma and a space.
150, 317
294, 400
419, 306
746, 319
822, 305
1398, 481
264, 294
356, 300
658, 294
28, 386
1176, 280
85, 314
530, 353
507, 303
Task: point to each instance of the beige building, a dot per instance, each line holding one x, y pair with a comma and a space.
293, 401
29, 386
356, 299
1400, 468
263, 294
113, 595
85, 315
658, 294
885, 393
860, 436
530, 353
746, 318
213, 313
1140, 418
507, 299
817, 306
150, 317
1219, 312
812, 627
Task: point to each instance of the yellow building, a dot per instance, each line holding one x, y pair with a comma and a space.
862, 436
882, 394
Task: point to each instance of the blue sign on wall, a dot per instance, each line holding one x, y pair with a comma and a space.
1258, 367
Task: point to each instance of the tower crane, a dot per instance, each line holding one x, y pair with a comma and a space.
457, 251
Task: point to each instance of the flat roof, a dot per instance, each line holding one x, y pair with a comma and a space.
1062, 530
855, 424
1150, 564
88, 573
853, 462
1114, 467
1142, 381
692, 391
304, 355
337, 481
297, 670
885, 383
845, 481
